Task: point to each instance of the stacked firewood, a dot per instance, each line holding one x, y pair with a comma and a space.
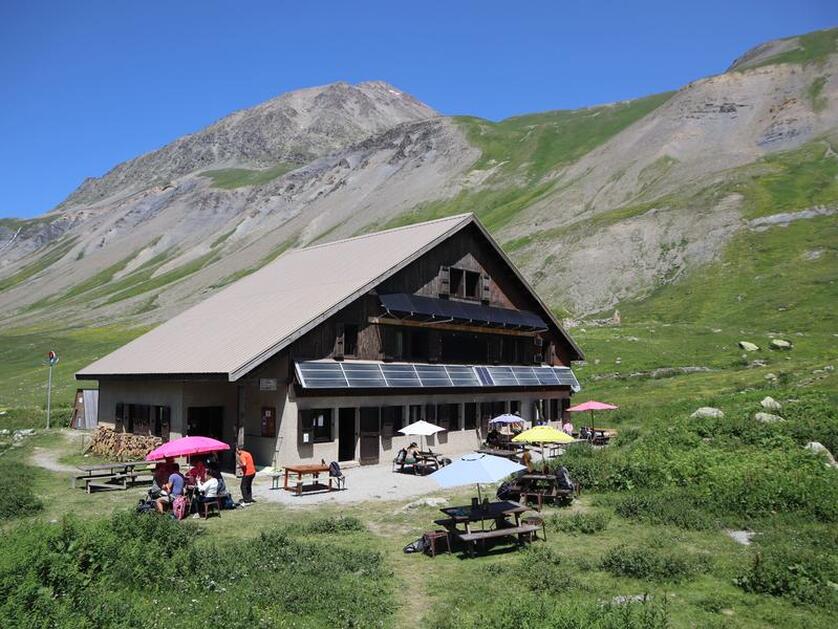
121, 446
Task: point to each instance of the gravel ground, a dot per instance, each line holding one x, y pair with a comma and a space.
368, 482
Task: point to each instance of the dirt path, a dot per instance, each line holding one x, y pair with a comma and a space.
47, 458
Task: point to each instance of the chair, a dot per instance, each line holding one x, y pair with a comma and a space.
535, 520
433, 537
210, 505
337, 475
399, 460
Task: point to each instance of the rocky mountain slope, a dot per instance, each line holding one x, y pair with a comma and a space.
599, 206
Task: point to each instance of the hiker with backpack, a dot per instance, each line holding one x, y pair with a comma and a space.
171, 491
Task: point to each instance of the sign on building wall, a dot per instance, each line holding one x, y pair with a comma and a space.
267, 384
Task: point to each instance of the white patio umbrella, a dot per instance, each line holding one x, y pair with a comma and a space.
421, 429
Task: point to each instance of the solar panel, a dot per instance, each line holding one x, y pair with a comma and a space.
356, 375
546, 376
364, 375
526, 376
462, 376
503, 376
400, 376
433, 376
484, 377
321, 375
567, 378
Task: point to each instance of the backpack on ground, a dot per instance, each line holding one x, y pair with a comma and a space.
334, 469
416, 547
564, 480
180, 507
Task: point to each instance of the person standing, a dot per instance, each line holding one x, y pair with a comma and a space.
248, 470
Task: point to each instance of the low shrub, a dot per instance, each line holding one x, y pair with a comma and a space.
664, 507
328, 525
533, 609
16, 487
652, 563
795, 566
542, 569
148, 571
585, 523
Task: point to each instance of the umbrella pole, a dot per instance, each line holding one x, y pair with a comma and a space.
480, 506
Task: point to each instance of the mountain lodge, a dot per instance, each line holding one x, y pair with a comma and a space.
326, 352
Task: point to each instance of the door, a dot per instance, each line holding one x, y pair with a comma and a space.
370, 432
205, 421
346, 434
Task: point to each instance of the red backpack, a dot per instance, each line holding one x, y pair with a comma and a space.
180, 507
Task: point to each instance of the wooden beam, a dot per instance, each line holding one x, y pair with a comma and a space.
454, 327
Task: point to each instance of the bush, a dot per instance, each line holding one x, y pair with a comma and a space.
531, 609
585, 523
652, 564
149, 571
327, 525
16, 487
666, 507
799, 567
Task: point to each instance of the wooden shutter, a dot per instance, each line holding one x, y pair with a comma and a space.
339, 341
444, 280
485, 293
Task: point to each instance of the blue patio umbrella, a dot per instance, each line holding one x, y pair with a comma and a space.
475, 468
507, 418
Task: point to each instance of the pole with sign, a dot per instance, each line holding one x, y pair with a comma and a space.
52, 358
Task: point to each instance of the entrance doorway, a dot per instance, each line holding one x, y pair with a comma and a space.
346, 434
370, 432
205, 421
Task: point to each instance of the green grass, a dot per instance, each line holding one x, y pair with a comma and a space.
812, 47
535, 144
230, 178
45, 260
23, 377
813, 93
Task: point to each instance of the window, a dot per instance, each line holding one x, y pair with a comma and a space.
457, 282
268, 422
161, 421
350, 340
414, 412
448, 416
515, 407
472, 285
470, 415
554, 410
318, 423
392, 416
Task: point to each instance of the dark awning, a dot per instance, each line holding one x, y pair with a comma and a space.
404, 303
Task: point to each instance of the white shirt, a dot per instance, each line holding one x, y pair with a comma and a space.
209, 488
568, 428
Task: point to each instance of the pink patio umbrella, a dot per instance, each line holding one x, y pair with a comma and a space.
592, 406
186, 446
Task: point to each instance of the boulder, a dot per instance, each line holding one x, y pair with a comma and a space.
748, 346
780, 344
708, 411
770, 404
821, 450
771, 377
768, 418
425, 502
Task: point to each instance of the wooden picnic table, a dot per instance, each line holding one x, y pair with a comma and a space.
541, 488
102, 475
306, 469
499, 513
512, 455
427, 459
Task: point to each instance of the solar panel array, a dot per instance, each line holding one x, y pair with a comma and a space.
352, 375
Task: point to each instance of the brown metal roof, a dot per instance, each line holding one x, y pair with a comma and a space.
246, 323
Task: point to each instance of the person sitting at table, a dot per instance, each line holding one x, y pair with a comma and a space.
209, 489
171, 490
493, 438
567, 427
198, 472
162, 471
412, 451
526, 459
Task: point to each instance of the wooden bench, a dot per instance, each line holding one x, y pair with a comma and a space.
472, 539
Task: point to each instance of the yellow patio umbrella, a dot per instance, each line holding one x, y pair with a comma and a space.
542, 435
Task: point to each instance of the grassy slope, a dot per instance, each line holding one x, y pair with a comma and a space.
522, 150
230, 178
812, 47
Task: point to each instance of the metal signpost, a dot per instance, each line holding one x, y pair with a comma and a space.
52, 359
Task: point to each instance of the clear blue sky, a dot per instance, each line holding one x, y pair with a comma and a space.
85, 85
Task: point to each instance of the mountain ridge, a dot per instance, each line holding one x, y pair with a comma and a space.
597, 206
